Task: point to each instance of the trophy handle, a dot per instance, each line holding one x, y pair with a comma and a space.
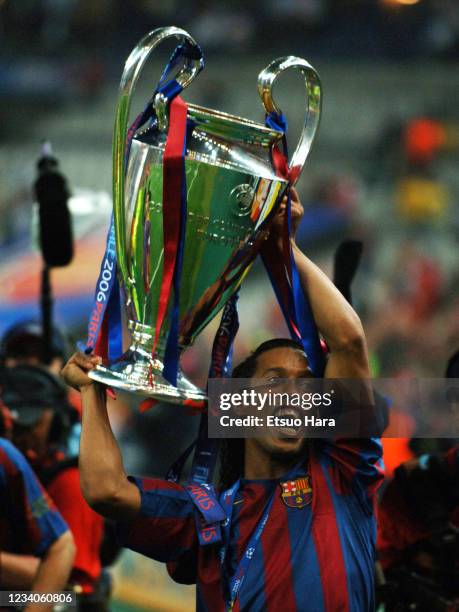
192, 65
266, 80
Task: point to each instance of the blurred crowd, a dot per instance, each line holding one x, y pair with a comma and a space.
401, 203
385, 27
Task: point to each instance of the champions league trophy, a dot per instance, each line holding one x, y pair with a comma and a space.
232, 192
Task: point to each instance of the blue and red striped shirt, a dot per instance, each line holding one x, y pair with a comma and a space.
29, 520
317, 557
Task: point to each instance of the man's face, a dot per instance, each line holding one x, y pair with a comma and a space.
284, 363
32, 441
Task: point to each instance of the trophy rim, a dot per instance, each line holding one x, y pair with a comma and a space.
235, 119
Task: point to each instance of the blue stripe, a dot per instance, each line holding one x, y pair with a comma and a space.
51, 525
164, 503
304, 559
252, 594
157, 505
364, 461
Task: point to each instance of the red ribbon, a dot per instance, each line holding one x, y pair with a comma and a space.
280, 163
193, 406
101, 347
172, 197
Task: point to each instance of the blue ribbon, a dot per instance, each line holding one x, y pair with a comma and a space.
296, 308
303, 316
278, 122
106, 302
210, 513
221, 363
115, 333
208, 519
233, 585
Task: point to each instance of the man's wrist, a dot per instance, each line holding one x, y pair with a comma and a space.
87, 387
93, 388
94, 397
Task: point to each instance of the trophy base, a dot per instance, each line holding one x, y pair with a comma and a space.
136, 372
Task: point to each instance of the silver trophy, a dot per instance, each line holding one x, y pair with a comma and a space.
232, 193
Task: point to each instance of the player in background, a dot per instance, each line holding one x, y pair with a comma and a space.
22, 344
38, 402
36, 546
418, 535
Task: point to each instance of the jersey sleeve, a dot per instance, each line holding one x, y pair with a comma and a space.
165, 528
85, 524
354, 462
32, 510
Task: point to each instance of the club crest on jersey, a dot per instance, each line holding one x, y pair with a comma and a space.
297, 493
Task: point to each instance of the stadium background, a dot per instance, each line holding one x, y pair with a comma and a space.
383, 170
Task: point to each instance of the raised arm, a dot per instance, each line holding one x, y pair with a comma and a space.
103, 479
334, 316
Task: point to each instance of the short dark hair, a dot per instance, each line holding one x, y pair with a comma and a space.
232, 449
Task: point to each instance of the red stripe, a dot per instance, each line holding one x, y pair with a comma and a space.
347, 456
328, 544
277, 555
280, 162
158, 484
210, 584
249, 511
172, 199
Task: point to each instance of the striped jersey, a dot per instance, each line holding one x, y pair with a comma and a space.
317, 549
29, 521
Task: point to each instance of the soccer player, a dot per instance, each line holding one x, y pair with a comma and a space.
23, 343
36, 546
418, 533
38, 401
300, 533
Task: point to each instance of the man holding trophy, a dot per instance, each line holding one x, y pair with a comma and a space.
205, 193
